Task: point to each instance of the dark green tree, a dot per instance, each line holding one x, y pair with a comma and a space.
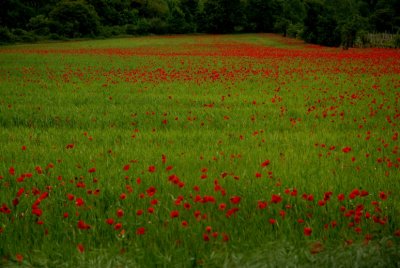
74, 19
223, 16
260, 15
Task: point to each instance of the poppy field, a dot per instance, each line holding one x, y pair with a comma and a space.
203, 150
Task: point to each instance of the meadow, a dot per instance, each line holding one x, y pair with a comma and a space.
204, 150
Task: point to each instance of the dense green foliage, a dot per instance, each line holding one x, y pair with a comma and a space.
325, 22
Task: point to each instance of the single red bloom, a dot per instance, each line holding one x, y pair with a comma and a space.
139, 212
262, 204
66, 215
20, 192
82, 225
231, 212
272, 221
163, 159
265, 163
346, 149
70, 146
117, 226
79, 202
382, 195
168, 168
152, 169
222, 206
174, 214
150, 210
258, 175
120, 213
19, 257
340, 197
307, 231
276, 199
37, 211
23, 148
235, 199
154, 202
122, 196
140, 231
151, 191
282, 213
11, 171
206, 237
208, 229
184, 223
126, 167
92, 170
225, 237
397, 233
15, 202
80, 248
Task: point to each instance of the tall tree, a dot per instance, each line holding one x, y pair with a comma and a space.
74, 19
222, 15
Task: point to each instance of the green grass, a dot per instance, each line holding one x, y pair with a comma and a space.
111, 107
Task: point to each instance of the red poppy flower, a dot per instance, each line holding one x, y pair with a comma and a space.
80, 248
152, 169
118, 226
265, 163
272, 221
174, 214
110, 221
79, 202
307, 231
37, 211
151, 191
140, 231
276, 199
341, 197
11, 171
19, 257
92, 170
120, 213
262, 204
346, 149
82, 225
206, 238
126, 167
382, 195
235, 199
70, 146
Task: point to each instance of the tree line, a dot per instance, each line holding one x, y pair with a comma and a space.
326, 22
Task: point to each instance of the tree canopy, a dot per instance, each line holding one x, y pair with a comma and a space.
326, 22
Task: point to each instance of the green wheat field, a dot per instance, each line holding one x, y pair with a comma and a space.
199, 150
